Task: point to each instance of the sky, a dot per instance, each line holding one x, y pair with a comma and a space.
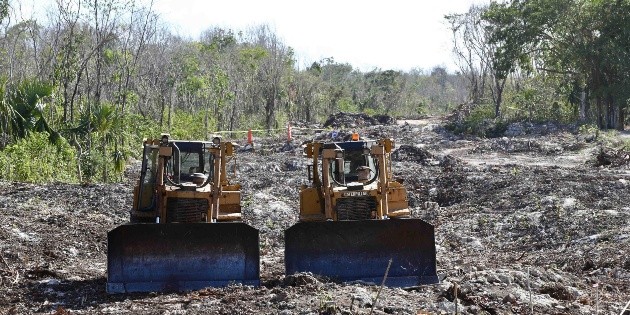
368, 34
385, 34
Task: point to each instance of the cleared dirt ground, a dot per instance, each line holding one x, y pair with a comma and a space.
538, 219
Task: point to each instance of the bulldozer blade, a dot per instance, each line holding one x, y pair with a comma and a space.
181, 256
361, 251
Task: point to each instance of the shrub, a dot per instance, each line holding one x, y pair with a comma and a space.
480, 122
188, 126
35, 159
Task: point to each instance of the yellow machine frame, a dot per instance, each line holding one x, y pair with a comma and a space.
226, 207
318, 201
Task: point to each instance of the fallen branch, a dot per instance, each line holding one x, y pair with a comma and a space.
5, 262
623, 311
163, 302
378, 294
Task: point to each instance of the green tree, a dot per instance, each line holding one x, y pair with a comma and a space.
26, 105
306, 87
106, 128
384, 90
570, 38
473, 53
4, 10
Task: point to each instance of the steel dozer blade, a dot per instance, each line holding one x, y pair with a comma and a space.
181, 256
361, 250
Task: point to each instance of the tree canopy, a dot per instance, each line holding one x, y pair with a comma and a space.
114, 73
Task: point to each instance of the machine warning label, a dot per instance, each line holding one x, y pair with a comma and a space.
354, 193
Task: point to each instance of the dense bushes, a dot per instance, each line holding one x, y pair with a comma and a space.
35, 159
479, 121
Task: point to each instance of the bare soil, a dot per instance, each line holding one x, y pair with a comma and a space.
538, 221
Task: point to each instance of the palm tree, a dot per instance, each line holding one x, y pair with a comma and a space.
103, 119
22, 110
101, 122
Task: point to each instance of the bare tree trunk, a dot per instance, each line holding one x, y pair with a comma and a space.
65, 101
498, 99
104, 144
205, 118
308, 111
583, 105
270, 102
621, 119
79, 153
612, 111
234, 106
162, 107
170, 110
600, 113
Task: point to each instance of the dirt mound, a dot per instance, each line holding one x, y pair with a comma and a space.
516, 145
351, 120
413, 154
408, 153
612, 157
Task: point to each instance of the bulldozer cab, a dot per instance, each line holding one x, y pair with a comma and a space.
191, 163
190, 158
356, 164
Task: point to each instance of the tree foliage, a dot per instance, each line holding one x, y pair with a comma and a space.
27, 104
35, 159
4, 10
104, 74
570, 42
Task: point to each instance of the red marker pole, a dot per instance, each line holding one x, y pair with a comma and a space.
250, 138
289, 137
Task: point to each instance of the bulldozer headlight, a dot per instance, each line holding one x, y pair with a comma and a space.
339, 154
216, 140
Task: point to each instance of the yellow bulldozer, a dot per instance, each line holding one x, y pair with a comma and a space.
354, 221
185, 230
